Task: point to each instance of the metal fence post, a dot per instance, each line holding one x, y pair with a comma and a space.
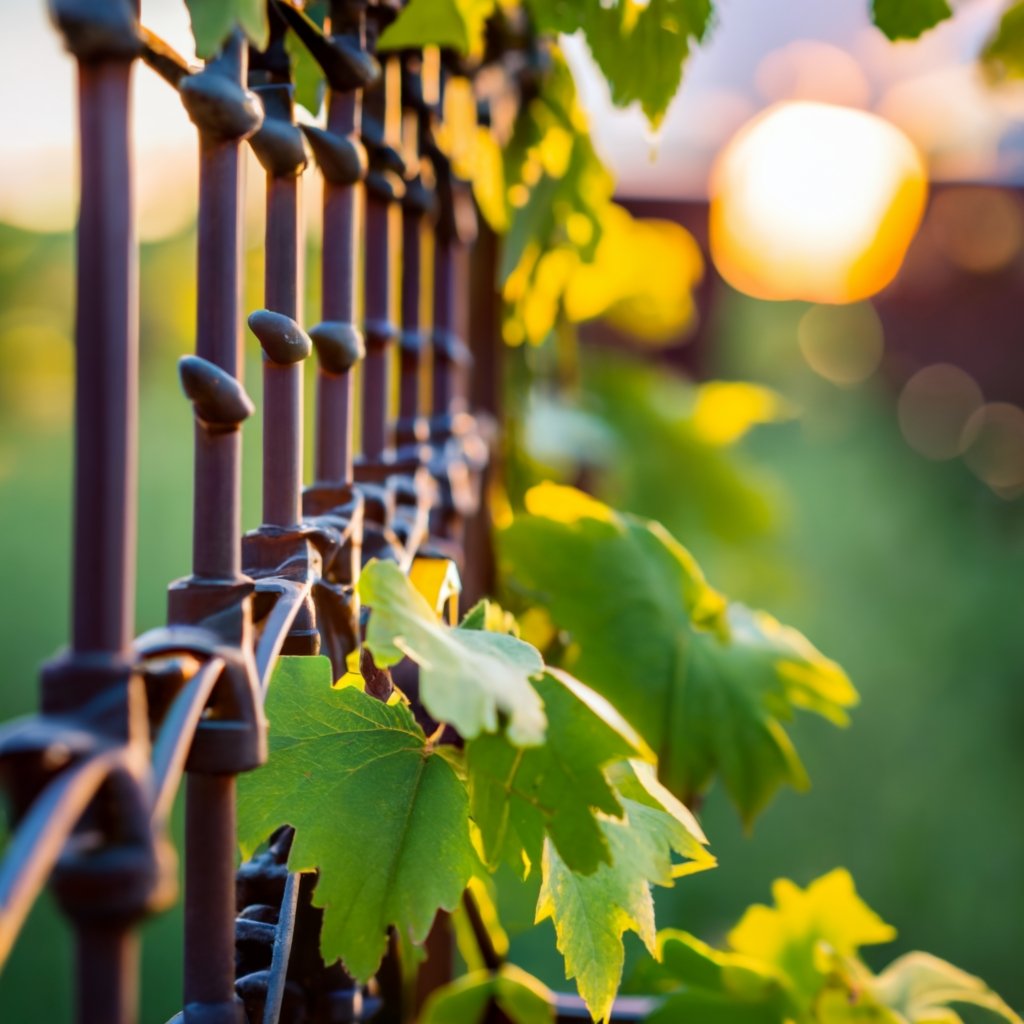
225, 114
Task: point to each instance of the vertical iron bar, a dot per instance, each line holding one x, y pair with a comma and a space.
442, 389
106, 974
412, 342
209, 983
210, 900
217, 504
383, 237
341, 223
106, 341
282, 384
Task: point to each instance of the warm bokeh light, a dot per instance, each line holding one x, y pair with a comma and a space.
978, 229
994, 443
816, 202
843, 344
934, 409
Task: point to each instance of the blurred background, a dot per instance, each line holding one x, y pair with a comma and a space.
868, 489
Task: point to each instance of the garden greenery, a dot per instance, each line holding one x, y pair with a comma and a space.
584, 752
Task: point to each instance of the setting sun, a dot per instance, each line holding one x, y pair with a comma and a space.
815, 202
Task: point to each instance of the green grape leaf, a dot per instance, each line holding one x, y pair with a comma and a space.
641, 48
591, 913
923, 988
455, 24
310, 83
519, 996
907, 19
1003, 56
706, 686
807, 929
517, 796
468, 677
380, 816
640, 418
489, 615
214, 20
711, 986
558, 192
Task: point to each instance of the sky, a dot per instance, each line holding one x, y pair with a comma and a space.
758, 52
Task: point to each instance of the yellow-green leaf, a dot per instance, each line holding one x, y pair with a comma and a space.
807, 928
456, 24
468, 678
707, 686
214, 20
592, 913
519, 996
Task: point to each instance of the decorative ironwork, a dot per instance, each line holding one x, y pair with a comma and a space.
93, 776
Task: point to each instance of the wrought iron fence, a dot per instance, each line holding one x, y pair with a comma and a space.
92, 778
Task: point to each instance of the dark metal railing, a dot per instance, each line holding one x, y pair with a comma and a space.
92, 778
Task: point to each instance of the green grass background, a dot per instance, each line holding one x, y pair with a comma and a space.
908, 573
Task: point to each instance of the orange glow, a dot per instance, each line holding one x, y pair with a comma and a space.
815, 202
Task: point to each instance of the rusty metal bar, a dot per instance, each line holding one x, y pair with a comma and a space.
175, 737
225, 114
282, 382
281, 149
340, 154
384, 187
40, 837
341, 224
210, 900
417, 234
283, 935
106, 342
278, 623
106, 974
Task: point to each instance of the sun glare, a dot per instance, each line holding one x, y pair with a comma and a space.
815, 202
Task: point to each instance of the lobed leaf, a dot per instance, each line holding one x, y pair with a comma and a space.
519, 996
907, 19
1003, 56
455, 24
922, 988
468, 678
592, 913
799, 936
377, 813
517, 796
707, 685
213, 21
712, 986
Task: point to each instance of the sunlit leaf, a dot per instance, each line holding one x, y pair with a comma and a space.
519, 996
642, 47
456, 24
1003, 56
467, 677
706, 685
711, 986
214, 20
310, 84
376, 812
630, 419
806, 928
923, 988
518, 796
641, 278
591, 913
907, 19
